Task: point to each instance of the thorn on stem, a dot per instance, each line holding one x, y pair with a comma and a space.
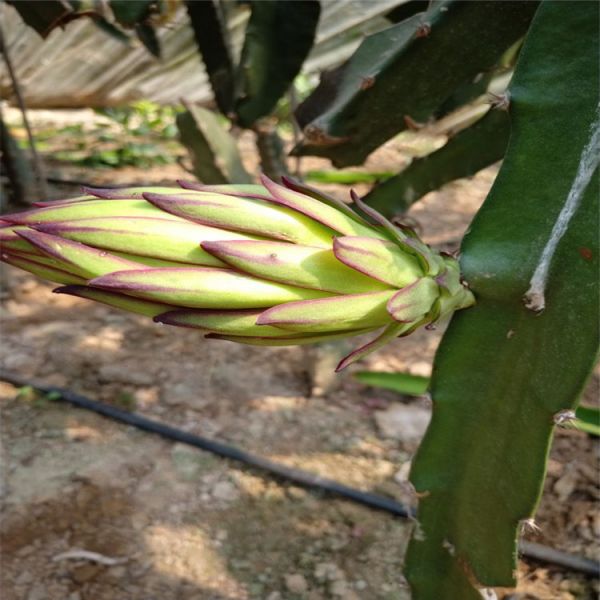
563, 418
315, 135
423, 30
450, 547
529, 525
367, 82
412, 124
419, 534
500, 101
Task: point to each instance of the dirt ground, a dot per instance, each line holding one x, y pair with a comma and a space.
183, 524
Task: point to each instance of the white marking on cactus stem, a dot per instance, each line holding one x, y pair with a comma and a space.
590, 158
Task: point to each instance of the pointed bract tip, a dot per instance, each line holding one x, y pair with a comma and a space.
348, 360
210, 244
186, 184
102, 193
290, 182
72, 290
216, 336
169, 318
10, 220
34, 236
87, 189
269, 183
153, 197
351, 358
263, 319
341, 366
104, 281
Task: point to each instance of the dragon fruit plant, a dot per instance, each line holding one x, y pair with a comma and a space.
266, 265
272, 264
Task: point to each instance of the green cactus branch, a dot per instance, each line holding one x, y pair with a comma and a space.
278, 38
115, 17
506, 374
407, 70
213, 150
211, 38
472, 149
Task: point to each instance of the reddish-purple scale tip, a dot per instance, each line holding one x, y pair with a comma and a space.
72, 290
102, 193
163, 318
190, 185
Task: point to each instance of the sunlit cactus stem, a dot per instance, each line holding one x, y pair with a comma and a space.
262, 264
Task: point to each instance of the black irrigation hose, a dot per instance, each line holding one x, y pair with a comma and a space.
297, 476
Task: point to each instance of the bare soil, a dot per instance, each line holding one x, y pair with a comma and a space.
184, 524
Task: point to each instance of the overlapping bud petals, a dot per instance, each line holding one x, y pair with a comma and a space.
258, 264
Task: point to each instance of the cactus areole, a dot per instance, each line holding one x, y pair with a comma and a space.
262, 264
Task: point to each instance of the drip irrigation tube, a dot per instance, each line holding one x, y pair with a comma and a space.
297, 476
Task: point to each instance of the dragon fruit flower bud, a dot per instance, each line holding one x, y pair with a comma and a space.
262, 264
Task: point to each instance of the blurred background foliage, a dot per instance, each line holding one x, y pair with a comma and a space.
142, 134
295, 74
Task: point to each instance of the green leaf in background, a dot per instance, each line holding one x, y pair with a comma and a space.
465, 93
407, 70
130, 12
406, 10
115, 32
17, 167
347, 177
403, 383
588, 420
43, 15
504, 372
279, 37
210, 36
470, 150
46, 15
213, 150
147, 35
482, 83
